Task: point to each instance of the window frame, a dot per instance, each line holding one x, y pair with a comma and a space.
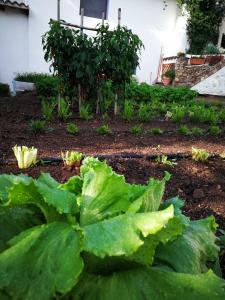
95, 17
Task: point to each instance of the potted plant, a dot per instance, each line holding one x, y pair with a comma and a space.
197, 60
213, 54
168, 77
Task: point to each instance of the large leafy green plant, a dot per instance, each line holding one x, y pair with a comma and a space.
97, 237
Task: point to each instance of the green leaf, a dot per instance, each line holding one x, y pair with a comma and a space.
15, 220
104, 193
190, 252
73, 185
41, 262
150, 284
122, 235
48, 179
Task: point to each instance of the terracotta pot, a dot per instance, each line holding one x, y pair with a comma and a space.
166, 80
197, 61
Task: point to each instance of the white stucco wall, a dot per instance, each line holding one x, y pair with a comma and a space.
213, 85
157, 28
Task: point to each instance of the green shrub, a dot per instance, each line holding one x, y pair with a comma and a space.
200, 155
85, 112
37, 126
196, 131
155, 131
72, 128
214, 130
4, 90
47, 86
104, 130
144, 114
48, 110
184, 130
64, 112
178, 113
170, 73
128, 110
32, 77
136, 130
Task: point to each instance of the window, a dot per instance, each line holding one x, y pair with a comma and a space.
94, 8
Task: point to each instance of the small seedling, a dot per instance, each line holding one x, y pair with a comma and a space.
72, 129
184, 130
136, 130
155, 131
48, 110
26, 157
64, 110
196, 131
164, 160
71, 158
104, 130
215, 130
200, 155
37, 126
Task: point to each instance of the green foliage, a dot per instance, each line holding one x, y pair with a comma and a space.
196, 131
144, 113
71, 158
48, 110
97, 237
64, 112
156, 131
128, 111
37, 126
72, 128
165, 161
210, 48
104, 130
48, 86
32, 77
136, 130
214, 130
206, 15
4, 90
170, 73
85, 112
200, 155
184, 130
201, 114
178, 113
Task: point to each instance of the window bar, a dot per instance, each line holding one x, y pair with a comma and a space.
58, 10
119, 17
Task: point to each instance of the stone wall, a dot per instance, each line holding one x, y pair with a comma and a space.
190, 75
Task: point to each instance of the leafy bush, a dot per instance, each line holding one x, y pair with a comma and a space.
144, 114
128, 111
136, 130
98, 237
200, 155
104, 130
48, 86
214, 130
156, 131
184, 130
37, 126
85, 112
196, 131
210, 48
178, 113
72, 128
170, 73
4, 90
64, 112
32, 77
48, 110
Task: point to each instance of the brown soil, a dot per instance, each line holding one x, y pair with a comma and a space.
202, 186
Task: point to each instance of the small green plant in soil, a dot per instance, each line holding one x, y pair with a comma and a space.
48, 110
85, 112
37, 126
115, 240
128, 111
165, 161
71, 158
178, 114
72, 129
184, 130
144, 113
222, 155
155, 131
26, 157
64, 112
136, 130
214, 130
196, 131
104, 130
200, 155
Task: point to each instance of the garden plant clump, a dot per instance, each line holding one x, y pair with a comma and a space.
98, 237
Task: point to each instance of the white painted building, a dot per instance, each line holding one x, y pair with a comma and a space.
21, 31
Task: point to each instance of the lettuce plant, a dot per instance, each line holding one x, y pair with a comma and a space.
97, 237
200, 155
71, 158
25, 156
